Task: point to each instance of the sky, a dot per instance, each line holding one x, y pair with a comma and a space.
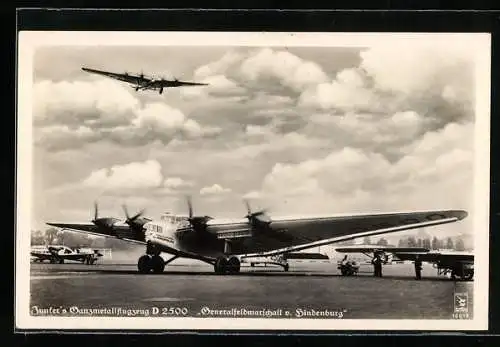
297, 130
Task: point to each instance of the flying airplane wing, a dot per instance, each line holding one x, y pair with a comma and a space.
164, 83
122, 232
187, 84
289, 235
130, 78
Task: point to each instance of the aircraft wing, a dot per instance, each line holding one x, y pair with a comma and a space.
40, 255
187, 84
162, 83
122, 232
375, 248
436, 257
134, 79
303, 233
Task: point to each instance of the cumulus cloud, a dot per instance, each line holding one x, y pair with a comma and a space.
347, 92
137, 177
265, 68
282, 66
218, 86
176, 182
257, 130
419, 69
437, 172
428, 87
274, 144
71, 114
133, 175
214, 189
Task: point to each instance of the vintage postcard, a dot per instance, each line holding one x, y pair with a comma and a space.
240, 181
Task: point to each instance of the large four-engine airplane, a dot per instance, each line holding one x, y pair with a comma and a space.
456, 264
225, 243
61, 253
141, 82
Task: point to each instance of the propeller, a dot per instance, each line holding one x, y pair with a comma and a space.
197, 222
96, 212
131, 220
258, 218
105, 222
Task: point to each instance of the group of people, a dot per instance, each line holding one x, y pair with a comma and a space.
377, 262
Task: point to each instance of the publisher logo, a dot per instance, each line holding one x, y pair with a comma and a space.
461, 302
461, 306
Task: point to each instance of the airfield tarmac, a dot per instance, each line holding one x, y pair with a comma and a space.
189, 288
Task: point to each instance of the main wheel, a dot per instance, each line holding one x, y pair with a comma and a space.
286, 267
233, 265
157, 264
220, 265
144, 264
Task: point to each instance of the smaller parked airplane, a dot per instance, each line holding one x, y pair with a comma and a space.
457, 264
59, 253
282, 259
140, 82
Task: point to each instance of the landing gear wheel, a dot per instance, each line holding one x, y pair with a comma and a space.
157, 264
286, 267
61, 261
144, 264
220, 265
233, 265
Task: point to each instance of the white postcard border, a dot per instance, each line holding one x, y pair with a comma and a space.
28, 41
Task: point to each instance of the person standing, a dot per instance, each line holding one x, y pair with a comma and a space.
418, 268
377, 265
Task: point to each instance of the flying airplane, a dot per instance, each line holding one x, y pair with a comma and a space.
60, 253
141, 82
457, 264
225, 243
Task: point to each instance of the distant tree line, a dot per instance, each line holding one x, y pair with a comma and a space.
434, 244
412, 241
